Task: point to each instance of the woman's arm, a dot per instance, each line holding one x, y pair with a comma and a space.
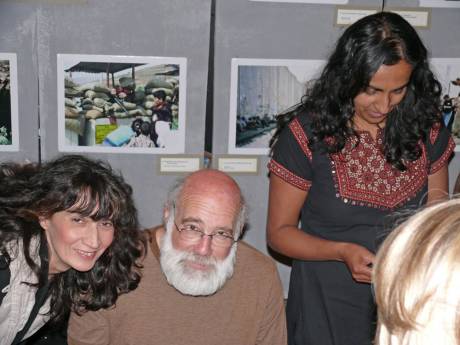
284, 236
438, 185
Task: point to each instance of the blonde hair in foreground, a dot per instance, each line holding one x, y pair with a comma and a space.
417, 279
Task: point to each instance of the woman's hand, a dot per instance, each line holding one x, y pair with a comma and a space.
359, 261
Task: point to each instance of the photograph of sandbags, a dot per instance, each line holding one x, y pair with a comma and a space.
448, 73
260, 90
121, 104
8, 103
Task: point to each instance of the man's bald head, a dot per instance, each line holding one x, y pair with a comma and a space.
210, 186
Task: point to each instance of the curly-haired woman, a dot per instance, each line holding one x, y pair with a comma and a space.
366, 141
69, 240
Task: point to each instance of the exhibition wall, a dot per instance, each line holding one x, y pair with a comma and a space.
253, 41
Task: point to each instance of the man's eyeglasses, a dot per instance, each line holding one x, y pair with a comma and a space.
193, 234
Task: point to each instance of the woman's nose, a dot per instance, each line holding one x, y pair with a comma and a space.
383, 104
91, 238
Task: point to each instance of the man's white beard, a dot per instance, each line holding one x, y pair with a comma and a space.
186, 279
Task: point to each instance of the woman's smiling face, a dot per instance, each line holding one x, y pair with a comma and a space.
75, 241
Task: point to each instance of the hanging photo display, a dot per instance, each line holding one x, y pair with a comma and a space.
260, 90
448, 73
9, 135
129, 104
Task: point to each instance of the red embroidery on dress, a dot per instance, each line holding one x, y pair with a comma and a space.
434, 132
444, 157
362, 176
301, 137
288, 176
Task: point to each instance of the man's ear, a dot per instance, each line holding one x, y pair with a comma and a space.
166, 212
44, 222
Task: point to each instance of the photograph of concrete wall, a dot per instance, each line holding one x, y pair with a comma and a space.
121, 104
9, 135
261, 89
448, 73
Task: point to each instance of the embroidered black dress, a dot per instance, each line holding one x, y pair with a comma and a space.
352, 197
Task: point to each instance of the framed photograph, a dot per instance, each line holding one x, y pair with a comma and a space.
440, 3
261, 89
448, 73
322, 2
9, 133
124, 104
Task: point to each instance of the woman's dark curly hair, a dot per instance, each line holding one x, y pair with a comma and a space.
380, 39
81, 185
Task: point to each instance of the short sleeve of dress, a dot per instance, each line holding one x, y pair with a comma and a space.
291, 160
440, 146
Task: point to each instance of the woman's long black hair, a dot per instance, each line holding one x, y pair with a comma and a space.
91, 188
384, 38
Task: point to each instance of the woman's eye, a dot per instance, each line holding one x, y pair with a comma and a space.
77, 220
399, 91
107, 224
370, 91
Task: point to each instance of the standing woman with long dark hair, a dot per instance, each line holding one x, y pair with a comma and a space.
366, 141
69, 240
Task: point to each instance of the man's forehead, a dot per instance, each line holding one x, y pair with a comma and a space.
207, 203
209, 180
209, 196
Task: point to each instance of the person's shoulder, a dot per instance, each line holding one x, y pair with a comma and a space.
255, 258
301, 123
150, 233
152, 251
304, 118
438, 131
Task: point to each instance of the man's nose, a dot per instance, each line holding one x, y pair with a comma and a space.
204, 246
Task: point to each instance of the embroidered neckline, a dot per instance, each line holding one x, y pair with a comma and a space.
362, 176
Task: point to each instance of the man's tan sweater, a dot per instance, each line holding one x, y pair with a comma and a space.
248, 310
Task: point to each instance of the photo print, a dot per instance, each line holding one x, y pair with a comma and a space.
440, 3
261, 89
126, 104
448, 73
9, 135
322, 2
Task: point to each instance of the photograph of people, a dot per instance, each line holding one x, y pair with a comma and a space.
9, 136
447, 72
122, 104
261, 89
